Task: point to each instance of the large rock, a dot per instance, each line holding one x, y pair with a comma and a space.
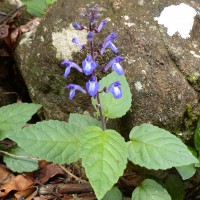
163, 71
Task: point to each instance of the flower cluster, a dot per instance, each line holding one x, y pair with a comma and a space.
89, 65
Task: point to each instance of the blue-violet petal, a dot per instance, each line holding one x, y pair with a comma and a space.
77, 26
90, 36
73, 88
101, 25
92, 86
115, 65
115, 89
77, 41
89, 65
109, 38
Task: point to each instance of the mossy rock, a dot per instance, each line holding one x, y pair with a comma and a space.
160, 68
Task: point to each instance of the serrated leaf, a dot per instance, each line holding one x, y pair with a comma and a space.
17, 164
37, 8
14, 116
197, 137
175, 187
52, 140
83, 121
151, 190
114, 194
114, 108
104, 157
156, 148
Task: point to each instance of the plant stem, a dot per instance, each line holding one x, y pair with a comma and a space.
16, 156
72, 175
101, 113
97, 95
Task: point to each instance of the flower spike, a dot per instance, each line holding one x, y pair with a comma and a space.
89, 65
69, 65
115, 89
92, 86
73, 88
115, 65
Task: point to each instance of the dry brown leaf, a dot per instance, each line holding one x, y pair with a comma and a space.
4, 30
19, 183
49, 171
28, 193
5, 175
30, 26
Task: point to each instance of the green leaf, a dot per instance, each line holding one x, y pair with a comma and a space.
37, 8
14, 116
114, 108
186, 171
114, 194
156, 148
198, 164
52, 140
151, 190
83, 121
197, 137
175, 187
104, 157
20, 164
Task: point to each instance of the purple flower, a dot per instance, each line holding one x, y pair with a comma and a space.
90, 36
77, 26
69, 65
115, 89
73, 88
113, 47
115, 65
89, 65
101, 25
109, 42
92, 86
77, 41
94, 13
94, 16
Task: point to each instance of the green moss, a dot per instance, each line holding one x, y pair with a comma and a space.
192, 117
193, 78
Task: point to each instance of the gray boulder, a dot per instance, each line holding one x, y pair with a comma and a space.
163, 71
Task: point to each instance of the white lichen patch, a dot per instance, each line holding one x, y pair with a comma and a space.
129, 24
45, 28
194, 54
42, 39
141, 2
126, 17
62, 41
197, 74
178, 18
107, 19
27, 38
117, 4
127, 21
138, 86
143, 72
